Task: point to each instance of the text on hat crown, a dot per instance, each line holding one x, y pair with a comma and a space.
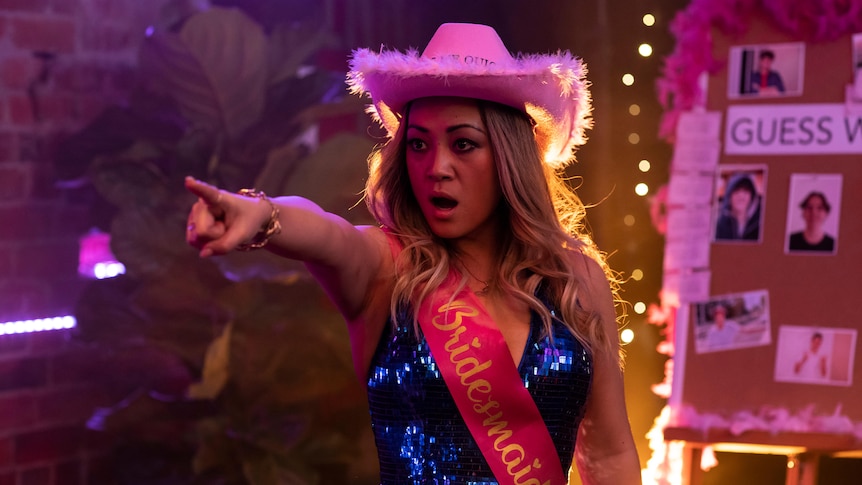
470, 60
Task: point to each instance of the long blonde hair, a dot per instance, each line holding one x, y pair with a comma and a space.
545, 221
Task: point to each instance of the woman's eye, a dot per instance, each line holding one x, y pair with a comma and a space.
415, 144
463, 144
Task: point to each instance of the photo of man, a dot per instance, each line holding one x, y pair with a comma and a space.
739, 203
813, 363
813, 211
765, 80
769, 70
815, 355
731, 321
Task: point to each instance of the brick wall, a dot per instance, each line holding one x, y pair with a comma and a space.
61, 61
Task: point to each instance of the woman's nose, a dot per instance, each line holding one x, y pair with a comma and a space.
441, 168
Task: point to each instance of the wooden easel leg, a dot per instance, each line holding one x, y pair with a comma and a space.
691, 472
802, 469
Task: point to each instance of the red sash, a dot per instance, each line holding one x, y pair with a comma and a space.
477, 367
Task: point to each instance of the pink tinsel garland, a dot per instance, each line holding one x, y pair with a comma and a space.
812, 20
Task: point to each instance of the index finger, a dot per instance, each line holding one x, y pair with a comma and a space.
206, 192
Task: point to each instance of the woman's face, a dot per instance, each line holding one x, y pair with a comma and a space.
451, 167
814, 212
740, 199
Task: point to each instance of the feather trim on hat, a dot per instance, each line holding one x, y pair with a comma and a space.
551, 88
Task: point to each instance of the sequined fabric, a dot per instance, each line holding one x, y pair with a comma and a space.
420, 435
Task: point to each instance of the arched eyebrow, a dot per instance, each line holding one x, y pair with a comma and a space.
449, 129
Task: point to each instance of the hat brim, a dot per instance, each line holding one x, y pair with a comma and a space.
551, 89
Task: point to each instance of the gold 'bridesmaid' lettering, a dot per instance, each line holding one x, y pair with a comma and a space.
469, 369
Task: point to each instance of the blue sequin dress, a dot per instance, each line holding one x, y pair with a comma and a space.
420, 435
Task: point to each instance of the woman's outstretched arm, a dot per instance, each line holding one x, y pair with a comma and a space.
346, 260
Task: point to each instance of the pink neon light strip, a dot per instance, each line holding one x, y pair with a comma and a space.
37, 325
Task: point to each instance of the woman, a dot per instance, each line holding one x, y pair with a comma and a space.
739, 217
480, 316
815, 209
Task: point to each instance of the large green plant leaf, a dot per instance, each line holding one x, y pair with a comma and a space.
188, 288
333, 176
291, 45
114, 130
215, 68
215, 449
262, 469
130, 179
290, 345
147, 240
282, 124
215, 371
104, 312
173, 316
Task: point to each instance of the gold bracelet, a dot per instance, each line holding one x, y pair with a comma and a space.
271, 228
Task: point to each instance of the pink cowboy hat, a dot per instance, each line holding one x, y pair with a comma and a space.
470, 60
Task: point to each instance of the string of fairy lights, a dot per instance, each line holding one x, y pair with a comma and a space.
641, 188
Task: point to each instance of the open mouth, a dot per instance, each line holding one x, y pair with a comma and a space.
443, 203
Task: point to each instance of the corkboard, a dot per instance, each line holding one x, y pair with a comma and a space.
807, 291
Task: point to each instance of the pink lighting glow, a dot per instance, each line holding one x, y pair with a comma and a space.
95, 259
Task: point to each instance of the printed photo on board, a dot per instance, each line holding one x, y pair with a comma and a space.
731, 322
813, 212
739, 203
857, 67
815, 355
853, 93
767, 70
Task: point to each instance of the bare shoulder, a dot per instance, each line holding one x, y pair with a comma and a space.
379, 241
373, 233
596, 282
